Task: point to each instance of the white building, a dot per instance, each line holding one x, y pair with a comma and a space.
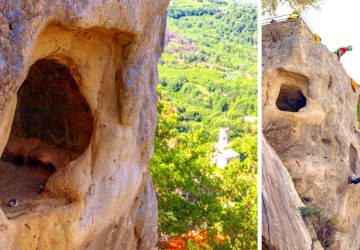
223, 154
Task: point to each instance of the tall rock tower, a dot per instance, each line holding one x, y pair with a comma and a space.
311, 140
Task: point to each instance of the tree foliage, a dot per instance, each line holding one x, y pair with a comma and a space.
199, 72
207, 80
194, 194
270, 6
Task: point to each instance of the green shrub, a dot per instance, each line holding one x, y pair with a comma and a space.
322, 223
310, 212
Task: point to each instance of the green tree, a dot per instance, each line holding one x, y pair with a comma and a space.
270, 6
193, 194
208, 76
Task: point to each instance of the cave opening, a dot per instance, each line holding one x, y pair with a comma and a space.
290, 99
52, 126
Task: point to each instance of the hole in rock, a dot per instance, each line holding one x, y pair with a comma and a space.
306, 199
52, 126
353, 159
326, 141
290, 99
330, 82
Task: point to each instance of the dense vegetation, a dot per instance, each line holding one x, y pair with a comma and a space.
208, 80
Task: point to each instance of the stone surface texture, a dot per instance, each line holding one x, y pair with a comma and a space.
318, 144
282, 202
105, 198
274, 32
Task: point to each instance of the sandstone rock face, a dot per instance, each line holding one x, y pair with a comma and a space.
286, 227
310, 119
103, 101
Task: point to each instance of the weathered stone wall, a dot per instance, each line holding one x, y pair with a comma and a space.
111, 49
274, 32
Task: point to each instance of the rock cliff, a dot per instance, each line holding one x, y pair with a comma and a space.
85, 139
282, 221
310, 119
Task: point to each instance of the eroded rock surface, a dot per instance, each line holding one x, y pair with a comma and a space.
101, 196
282, 220
310, 119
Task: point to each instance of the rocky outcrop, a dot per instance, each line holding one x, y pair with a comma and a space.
282, 220
103, 197
310, 119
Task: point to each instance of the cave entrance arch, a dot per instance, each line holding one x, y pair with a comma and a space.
52, 126
292, 91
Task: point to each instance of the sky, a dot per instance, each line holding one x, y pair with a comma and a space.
337, 23
248, 1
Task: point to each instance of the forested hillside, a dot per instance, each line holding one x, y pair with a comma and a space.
207, 80
209, 68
